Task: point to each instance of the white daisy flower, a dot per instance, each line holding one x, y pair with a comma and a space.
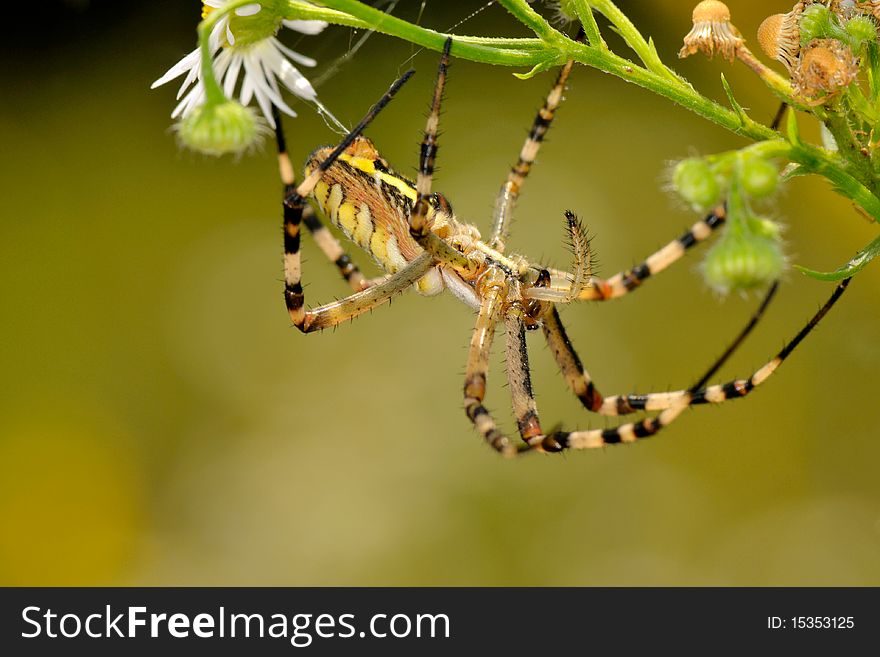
249, 50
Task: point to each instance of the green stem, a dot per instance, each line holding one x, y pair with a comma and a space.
303, 11
818, 161
777, 84
873, 53
856, 98
534, 52
507, 52
658, 79
850, 148
588, 22
524, 13
214, 94
634, 39
676, 91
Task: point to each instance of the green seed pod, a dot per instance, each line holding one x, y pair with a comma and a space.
759, 177
743, 262
816, 23
861, 29
696, 183
217, 129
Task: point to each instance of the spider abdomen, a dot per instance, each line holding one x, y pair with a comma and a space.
370, 203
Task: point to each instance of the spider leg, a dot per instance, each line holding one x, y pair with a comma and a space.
325, 240
419, 224
478, 364
714, 394
510, 190
622, 283
582, 386
625, 282
337, 312
519, 378
294, 207
577, 378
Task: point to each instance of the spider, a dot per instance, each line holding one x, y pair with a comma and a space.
414, 236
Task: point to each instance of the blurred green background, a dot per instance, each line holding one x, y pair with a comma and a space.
161, 423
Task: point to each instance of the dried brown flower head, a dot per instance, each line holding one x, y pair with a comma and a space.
780, 38
872, 8
712, 32
825, 68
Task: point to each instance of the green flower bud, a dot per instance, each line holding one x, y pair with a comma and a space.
816, 24
217, 129
741, 262
696, 183
861, 29
759, 177
764, 227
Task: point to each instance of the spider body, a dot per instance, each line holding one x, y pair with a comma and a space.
416, 239
371, 204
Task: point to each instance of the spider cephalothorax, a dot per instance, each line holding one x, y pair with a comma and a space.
415, 238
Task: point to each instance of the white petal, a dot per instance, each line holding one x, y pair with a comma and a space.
221, 64
255, 74
247, 90
230, 37
295, 56
194, 73
185, 64
270, 65
214, 39
195, 97
232, 76
249, 10
265, 105
305, 27
296, 81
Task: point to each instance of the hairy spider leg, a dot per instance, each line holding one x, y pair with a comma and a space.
325, 240
509, 193
581, 384
628, 433
419, 226
493, 289
294, 206
622, 283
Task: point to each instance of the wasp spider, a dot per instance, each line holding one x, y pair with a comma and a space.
413, 235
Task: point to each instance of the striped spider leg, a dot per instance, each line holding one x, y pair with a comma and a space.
632, 432
510, 190
295, 210
325, 240
509, 290
416, 239
561, 289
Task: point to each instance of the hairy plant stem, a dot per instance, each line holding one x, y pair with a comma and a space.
846, 171
850, 148
634, 39
588, 21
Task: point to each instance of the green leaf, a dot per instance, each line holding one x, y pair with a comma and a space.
854, 266
733, 103
794, 135
537, 68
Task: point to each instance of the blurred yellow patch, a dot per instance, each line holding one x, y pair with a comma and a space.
70, 504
